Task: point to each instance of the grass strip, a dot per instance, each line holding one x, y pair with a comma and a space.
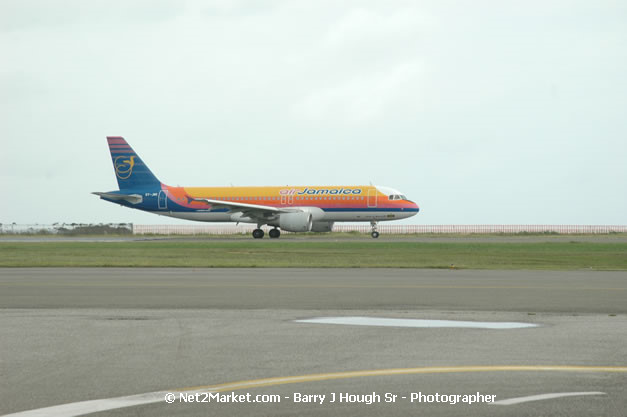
371, 254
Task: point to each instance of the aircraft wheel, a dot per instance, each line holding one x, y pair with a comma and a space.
258, 233
274, 233
374, 235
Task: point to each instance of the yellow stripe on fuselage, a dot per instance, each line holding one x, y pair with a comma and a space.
349, 190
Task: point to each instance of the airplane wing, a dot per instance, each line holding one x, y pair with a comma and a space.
251, 210
131, 198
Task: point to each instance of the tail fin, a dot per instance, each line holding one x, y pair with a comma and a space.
130, 170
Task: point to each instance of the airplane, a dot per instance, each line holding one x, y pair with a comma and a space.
289, 208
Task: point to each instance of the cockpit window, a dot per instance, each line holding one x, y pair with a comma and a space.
397, 197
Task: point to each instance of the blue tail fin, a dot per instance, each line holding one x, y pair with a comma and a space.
130, 170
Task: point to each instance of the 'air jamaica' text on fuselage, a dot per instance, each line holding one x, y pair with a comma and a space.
320, 191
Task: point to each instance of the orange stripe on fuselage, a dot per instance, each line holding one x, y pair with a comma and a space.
316, 196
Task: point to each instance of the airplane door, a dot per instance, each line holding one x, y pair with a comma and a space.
287, 199
372, 197
162, 200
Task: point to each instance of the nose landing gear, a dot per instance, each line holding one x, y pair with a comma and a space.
375, 233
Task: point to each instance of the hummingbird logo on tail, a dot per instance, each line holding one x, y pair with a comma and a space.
124, 167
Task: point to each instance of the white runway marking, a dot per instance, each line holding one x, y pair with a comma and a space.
539, 397
94, 406
378, 321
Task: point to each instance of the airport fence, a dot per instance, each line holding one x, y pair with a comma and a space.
244, 229
192, 229
66, 229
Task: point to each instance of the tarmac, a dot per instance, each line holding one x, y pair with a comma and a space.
117, 341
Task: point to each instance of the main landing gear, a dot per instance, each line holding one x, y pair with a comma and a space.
274, 233
374, 233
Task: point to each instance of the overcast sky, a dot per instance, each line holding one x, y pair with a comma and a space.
480, 111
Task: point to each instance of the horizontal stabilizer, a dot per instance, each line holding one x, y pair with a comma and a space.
131, 198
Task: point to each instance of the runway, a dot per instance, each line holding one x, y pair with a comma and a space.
308, 288
74, 335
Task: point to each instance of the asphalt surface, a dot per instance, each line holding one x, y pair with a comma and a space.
72, 335
303, 288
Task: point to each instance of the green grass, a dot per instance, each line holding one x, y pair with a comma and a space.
369, 254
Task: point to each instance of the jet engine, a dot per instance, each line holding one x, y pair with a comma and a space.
296, 222
322, 226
